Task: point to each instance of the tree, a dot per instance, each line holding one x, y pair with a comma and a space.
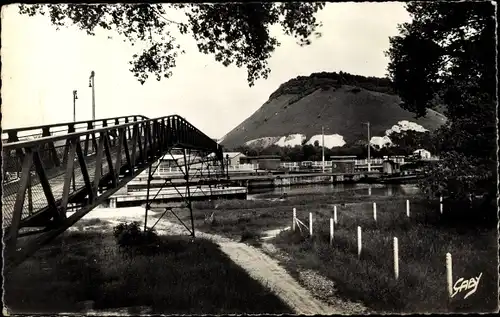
408, 141
446, 56
235, 33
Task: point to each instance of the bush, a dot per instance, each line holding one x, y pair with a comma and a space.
355, 90
130, 235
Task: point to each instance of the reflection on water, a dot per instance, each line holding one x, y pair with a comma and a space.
360, 189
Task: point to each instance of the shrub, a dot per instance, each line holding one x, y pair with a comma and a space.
129, 235
355, 90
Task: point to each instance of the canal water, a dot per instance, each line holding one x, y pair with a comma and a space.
386, 190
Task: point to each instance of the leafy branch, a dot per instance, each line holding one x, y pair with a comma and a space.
234, 33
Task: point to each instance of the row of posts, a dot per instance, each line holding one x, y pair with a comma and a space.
333, 221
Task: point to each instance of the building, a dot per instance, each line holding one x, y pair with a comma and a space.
265, 162
423, 154
343, 164
234, 158
169, 160
390, 167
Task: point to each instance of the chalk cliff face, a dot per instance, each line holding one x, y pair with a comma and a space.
341, 103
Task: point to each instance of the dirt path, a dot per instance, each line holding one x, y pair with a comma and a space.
266, 270
259, 266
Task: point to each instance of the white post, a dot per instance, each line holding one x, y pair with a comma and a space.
449, 274
369, 160
375, 211
335, 214
323, 149
359, 242
396, 258
331, 231
441, 204
408, 208
311, 224
294, 219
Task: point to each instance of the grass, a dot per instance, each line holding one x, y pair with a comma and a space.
240, 219
423, 243
424, 240
177, 277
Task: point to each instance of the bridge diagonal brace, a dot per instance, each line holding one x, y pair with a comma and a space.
67, 178
94, 141
182, 222
18, 206
146, 142
51, 148
109, 158
178, 165
98, 166
188, 188
85, 172
47, 190
118, 161
87, 139
133, 156
123, 135
159, 218
150, 139
140, 144
178, 192
147, 199
148, 204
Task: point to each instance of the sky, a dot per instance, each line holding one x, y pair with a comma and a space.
41, 67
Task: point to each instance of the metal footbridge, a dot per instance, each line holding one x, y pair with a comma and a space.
53, 175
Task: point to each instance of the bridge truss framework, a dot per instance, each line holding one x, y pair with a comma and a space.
54, 178
216, 175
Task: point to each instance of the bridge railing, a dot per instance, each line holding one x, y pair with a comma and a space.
83, 169
36, 132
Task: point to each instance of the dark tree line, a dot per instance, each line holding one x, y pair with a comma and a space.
302, 85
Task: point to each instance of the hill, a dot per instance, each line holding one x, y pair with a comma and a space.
341, 103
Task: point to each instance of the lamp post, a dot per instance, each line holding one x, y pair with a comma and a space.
74, 120
92, 85
369, 165
75, 97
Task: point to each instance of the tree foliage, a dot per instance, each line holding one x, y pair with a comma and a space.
234, 33
409, 140
304, 85
446, 56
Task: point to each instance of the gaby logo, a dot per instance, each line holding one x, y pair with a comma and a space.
463, 285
